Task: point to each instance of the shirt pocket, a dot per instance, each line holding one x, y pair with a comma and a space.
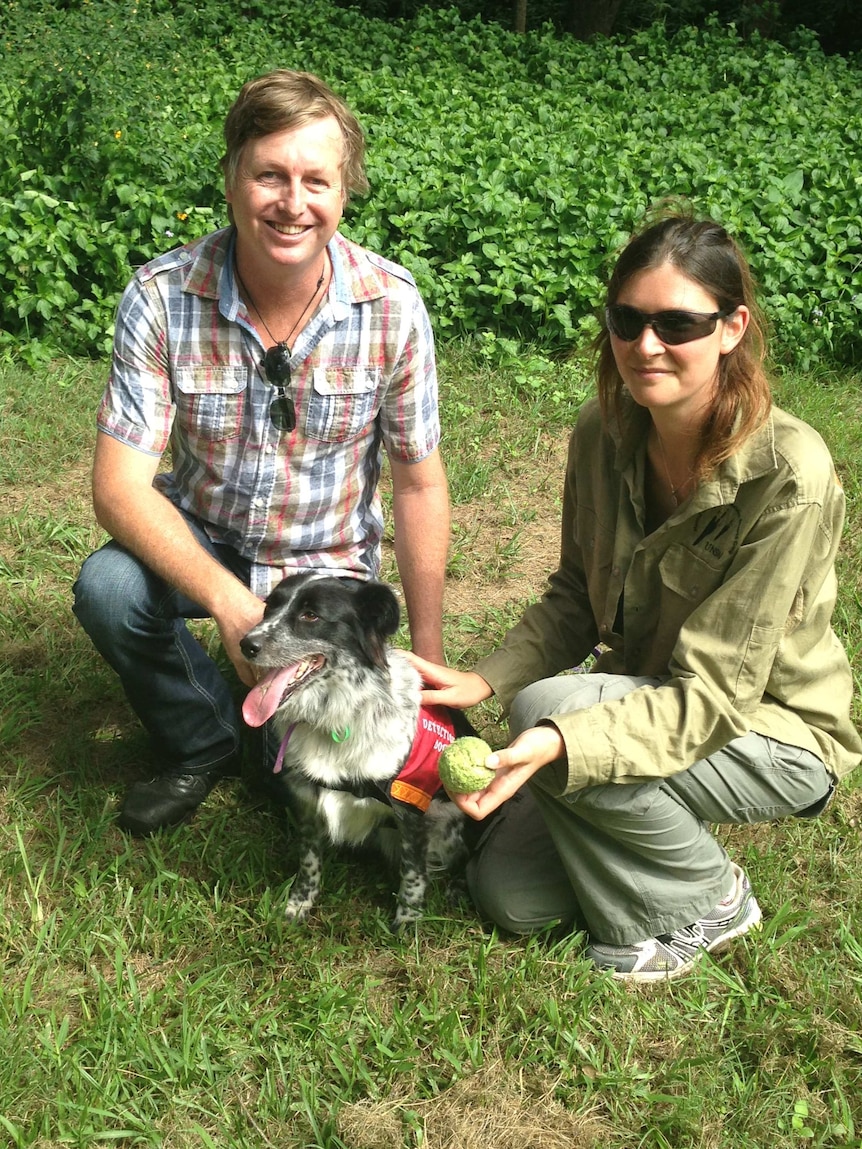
688, 576
685, 581
210, 401
343, 402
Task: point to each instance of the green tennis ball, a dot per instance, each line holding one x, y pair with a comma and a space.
462, 766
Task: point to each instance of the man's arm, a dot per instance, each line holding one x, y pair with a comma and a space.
420, 505
146, 523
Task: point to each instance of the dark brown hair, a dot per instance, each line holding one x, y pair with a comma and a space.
285, 99
704, 252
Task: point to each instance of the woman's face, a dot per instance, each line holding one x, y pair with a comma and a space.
674, 380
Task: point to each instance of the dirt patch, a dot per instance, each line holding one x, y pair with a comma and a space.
525, 575
506, 541
73, 487
513, 531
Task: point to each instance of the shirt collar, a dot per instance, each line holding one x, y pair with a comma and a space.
210, 274
754, 458
356, 279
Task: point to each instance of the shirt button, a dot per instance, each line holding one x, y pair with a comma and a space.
268, 449
257, 502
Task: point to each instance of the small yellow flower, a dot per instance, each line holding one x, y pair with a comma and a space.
117, 134
182, 215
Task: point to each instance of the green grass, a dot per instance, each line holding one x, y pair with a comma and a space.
152, 994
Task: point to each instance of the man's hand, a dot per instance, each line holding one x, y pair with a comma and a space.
234, 623
515, 765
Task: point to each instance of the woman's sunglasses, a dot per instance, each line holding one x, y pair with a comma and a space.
672, 327
276, 368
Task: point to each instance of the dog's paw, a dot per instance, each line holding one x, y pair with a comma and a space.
404, 916
297, 910
456, 893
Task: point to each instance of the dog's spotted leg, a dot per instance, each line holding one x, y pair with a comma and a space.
447, 846
414, 873
306, 885
411, 900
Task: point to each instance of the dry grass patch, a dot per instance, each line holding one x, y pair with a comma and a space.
497, 1107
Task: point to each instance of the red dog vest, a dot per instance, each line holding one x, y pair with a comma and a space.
418, 780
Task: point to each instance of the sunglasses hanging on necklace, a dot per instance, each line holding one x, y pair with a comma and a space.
276, 360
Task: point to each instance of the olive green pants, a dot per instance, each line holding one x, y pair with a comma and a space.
626, 862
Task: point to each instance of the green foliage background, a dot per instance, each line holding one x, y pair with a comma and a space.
835, 22
505, 170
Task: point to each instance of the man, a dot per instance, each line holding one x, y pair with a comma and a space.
275, 358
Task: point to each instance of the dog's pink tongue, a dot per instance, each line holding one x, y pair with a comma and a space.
262, 700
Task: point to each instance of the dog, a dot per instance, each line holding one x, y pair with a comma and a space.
347, 706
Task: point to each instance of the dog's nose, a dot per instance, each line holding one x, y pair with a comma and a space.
249, 646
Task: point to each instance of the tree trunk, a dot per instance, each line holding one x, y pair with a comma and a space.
588, 18
521, 16
764, 18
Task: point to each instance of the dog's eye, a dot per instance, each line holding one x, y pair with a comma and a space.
309, 616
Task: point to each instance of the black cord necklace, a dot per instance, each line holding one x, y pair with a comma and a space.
276, 360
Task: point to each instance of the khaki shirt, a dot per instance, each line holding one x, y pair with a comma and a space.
729, 601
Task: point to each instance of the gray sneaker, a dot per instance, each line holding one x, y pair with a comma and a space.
671, 955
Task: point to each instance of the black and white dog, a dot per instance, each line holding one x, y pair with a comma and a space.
358, 751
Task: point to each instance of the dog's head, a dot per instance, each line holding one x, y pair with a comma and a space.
313, 624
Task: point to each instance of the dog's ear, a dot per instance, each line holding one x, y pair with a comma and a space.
380, 615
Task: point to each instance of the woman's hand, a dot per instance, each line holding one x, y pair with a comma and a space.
458, 688
515, 765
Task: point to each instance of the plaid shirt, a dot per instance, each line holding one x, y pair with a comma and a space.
187, 372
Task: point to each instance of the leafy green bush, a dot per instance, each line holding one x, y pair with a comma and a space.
835, 22
505, 170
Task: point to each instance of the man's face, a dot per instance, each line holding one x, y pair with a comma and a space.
287, 197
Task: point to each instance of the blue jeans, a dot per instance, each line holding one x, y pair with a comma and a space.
137, 623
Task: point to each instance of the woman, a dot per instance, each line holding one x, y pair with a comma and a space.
700, 527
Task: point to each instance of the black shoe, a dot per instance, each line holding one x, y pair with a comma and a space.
165, 800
